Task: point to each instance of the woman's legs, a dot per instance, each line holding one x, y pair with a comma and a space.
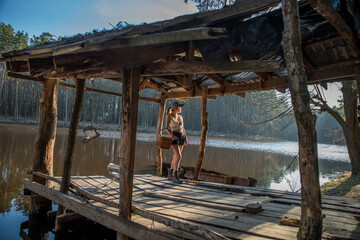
177, 157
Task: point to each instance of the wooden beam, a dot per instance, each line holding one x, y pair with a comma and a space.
159, 158
25, 77
324, 8
75, 116
96, 214
311, 216
143, 83
204, 130
190, 57
116, 41
180, 67
129, 113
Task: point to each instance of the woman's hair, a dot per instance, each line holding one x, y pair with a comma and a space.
169, 111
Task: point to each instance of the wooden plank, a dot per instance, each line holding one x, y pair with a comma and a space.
184, 226
114, 222
180, 67
26, 77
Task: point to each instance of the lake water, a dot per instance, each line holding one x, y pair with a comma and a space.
271, 163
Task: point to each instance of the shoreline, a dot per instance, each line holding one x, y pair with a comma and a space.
343, 185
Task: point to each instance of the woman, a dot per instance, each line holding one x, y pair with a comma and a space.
178, 136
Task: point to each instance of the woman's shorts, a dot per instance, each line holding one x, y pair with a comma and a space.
179, 141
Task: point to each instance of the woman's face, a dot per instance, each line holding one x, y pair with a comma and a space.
178, 109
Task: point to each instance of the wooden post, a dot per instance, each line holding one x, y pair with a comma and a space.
204, 130
75, 115
129, 112
159, 159
311, 217
357, 78
44, 150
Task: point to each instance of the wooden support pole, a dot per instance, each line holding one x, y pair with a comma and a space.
357, 78
129, 113
66, 173
44, 150
311, 217
159, 159
204, 130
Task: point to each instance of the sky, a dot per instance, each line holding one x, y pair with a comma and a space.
68, 18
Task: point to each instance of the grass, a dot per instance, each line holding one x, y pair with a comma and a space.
344, 185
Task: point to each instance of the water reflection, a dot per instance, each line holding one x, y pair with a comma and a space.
269, 163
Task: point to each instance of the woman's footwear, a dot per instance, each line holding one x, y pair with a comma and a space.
170, 174
176, 178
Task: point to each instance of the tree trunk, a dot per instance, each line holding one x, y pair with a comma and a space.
159, 158
311, 217
44, 150
129, 113
204, 130
351, 128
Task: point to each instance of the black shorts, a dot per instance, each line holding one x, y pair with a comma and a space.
181, 139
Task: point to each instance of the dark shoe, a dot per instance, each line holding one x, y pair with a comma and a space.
176, 178
170, 174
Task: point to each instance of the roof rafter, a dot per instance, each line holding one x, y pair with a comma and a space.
325, 9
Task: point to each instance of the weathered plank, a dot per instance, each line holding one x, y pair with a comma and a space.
114, 222
181, 67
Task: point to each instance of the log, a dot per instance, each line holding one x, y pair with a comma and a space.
357, 78
96, 214
253, 208
204, 130
159, 158
66, 173
129, 113
311, 217
44, 150
181, 67
182, 225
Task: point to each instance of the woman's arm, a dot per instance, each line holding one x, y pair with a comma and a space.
186, 139
167, 123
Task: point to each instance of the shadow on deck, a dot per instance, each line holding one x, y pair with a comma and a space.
212, 207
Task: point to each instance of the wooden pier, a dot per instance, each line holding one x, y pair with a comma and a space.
204, 208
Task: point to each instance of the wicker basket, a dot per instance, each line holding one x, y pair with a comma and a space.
163, 142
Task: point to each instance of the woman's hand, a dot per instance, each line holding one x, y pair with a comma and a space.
186, 142
174, 137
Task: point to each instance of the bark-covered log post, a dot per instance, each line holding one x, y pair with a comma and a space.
351, 127
311, 218
204, 130
129, 113
357, 77
159, 159
74, 121
44, 150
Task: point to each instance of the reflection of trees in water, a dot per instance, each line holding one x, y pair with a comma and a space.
17, 150
14, 152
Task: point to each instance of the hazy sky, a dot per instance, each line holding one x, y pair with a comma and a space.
67, 18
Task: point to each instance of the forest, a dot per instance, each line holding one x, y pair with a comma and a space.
258, 115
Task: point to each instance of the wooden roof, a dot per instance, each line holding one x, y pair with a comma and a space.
233, 50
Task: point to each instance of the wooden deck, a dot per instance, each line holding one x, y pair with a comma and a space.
212, 208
